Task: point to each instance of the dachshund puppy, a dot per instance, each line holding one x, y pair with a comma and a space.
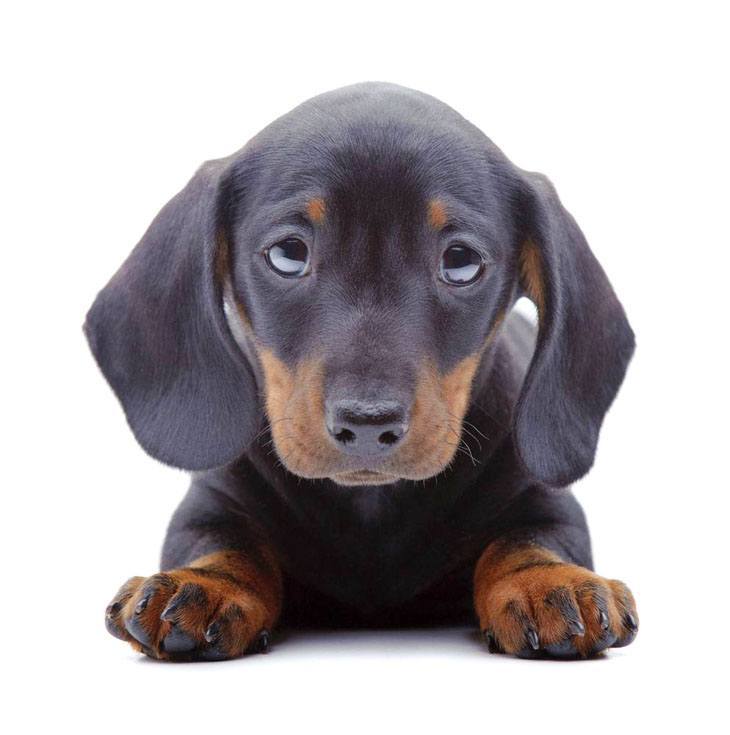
320, 328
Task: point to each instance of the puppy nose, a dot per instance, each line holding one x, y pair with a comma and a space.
365, 428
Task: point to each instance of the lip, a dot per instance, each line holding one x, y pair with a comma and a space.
364, 477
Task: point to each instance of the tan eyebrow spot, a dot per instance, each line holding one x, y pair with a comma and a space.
437, 214
316, 210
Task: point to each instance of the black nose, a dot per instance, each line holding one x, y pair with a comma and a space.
367, 429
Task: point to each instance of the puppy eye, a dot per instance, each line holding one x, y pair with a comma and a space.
461, 265
288, 258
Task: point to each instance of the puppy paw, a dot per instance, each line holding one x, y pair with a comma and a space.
550, 609
199, 612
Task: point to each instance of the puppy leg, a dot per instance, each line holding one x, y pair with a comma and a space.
219, 596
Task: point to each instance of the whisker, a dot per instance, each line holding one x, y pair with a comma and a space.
471, 456
464, 449
473, 426
466, 431
269, 425
464, 422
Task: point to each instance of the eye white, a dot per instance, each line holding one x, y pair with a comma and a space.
460, 265
288, 258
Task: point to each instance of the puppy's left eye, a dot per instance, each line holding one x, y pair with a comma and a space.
288, 258
461, 265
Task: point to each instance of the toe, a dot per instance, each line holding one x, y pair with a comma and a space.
600, 616
113, 617
228, 635
626, 608
188, 609
560, 620
187, 613
516, 629
234, 632
142, 614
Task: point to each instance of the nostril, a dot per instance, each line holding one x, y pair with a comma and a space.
345, 436
388, 438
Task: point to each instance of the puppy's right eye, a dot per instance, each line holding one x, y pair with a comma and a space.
288, 258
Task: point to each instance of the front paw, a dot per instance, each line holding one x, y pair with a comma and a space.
190, 613
556, 610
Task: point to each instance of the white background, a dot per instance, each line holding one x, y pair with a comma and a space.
109, 108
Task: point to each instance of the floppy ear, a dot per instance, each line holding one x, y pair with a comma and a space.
158, 333
584, 343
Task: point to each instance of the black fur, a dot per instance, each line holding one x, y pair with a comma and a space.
190, 387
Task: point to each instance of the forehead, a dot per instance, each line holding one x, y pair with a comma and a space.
372, 160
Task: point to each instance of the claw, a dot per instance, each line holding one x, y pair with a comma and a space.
168, 613
575, 627
631, 622
142, 604
263, 642
603, 619
532, 639
213, 631
114, 608
491, 641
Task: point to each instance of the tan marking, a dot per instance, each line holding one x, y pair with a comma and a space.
295, 409
316, 210
511, 576
457, 385
243, 316
262, 578
222, 258
531, 275
437, 214
251, 592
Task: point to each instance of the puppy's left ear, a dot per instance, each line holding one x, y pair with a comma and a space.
584, 342
159, 334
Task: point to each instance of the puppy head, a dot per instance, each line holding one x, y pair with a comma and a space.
342, 276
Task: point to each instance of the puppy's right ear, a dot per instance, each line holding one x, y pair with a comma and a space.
159, 335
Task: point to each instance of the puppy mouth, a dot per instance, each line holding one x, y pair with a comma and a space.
363, 477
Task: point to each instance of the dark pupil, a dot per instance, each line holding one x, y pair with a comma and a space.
289, 257
461, 264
